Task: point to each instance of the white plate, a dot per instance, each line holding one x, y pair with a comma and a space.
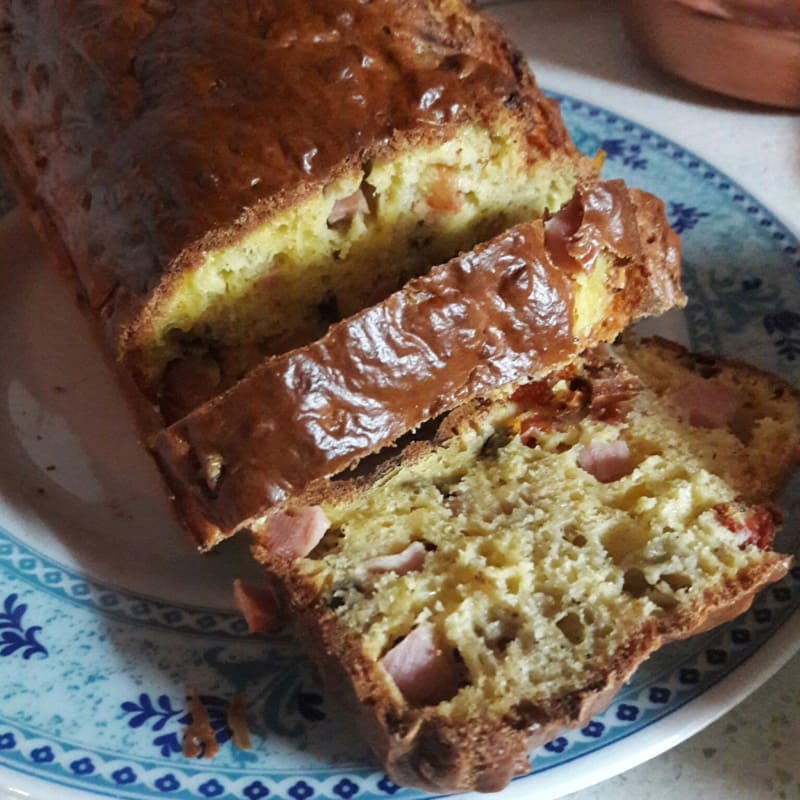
107, 615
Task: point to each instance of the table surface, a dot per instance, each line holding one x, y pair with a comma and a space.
579, 48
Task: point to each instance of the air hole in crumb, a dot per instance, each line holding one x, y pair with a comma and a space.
572, 627
329, 544
445, 488
572, 535
623, 540
500, 630
335, 602
634, 583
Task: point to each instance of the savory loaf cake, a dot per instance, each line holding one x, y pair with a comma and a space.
227, 179
495, 585
530, 299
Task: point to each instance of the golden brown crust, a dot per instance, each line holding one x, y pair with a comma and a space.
490, 317
146, 137
420, 748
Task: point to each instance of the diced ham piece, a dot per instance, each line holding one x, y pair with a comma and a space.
259, 606
606, 461
754, 524
295, 532
423, 671
706, 403
409, 560
442, 191
345, 208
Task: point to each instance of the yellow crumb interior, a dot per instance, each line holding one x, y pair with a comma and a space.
287, 280
536, 574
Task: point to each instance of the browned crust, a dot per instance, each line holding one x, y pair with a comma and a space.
345, 488
136, 211
419, 747
461, 331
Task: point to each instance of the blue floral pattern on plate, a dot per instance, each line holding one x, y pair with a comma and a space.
100, 703
14, 636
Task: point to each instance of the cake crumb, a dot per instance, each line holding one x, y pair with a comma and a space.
199, 738
237, 723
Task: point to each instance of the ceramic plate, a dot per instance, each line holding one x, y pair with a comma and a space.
107, 616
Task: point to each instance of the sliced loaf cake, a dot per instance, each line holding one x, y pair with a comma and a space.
521, 304
500, 582
224, 180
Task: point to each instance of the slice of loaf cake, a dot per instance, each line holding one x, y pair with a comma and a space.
224, 180
528, 300
499, 583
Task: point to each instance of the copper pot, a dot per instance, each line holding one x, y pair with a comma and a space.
746, 48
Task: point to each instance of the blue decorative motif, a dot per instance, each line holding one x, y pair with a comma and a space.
387, 785
784, 326
42, 755
627, 712
594, 729
145, 711
13, 635
557, 745
255, 791
212, 788
689, 675
659, 694
345, 788
716, 657
82, 766
167, 783
625, 151
123, 776
163, 711
301, 791
740, 636
782, 594
167, 743
683, 218
7, 741
622, 150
